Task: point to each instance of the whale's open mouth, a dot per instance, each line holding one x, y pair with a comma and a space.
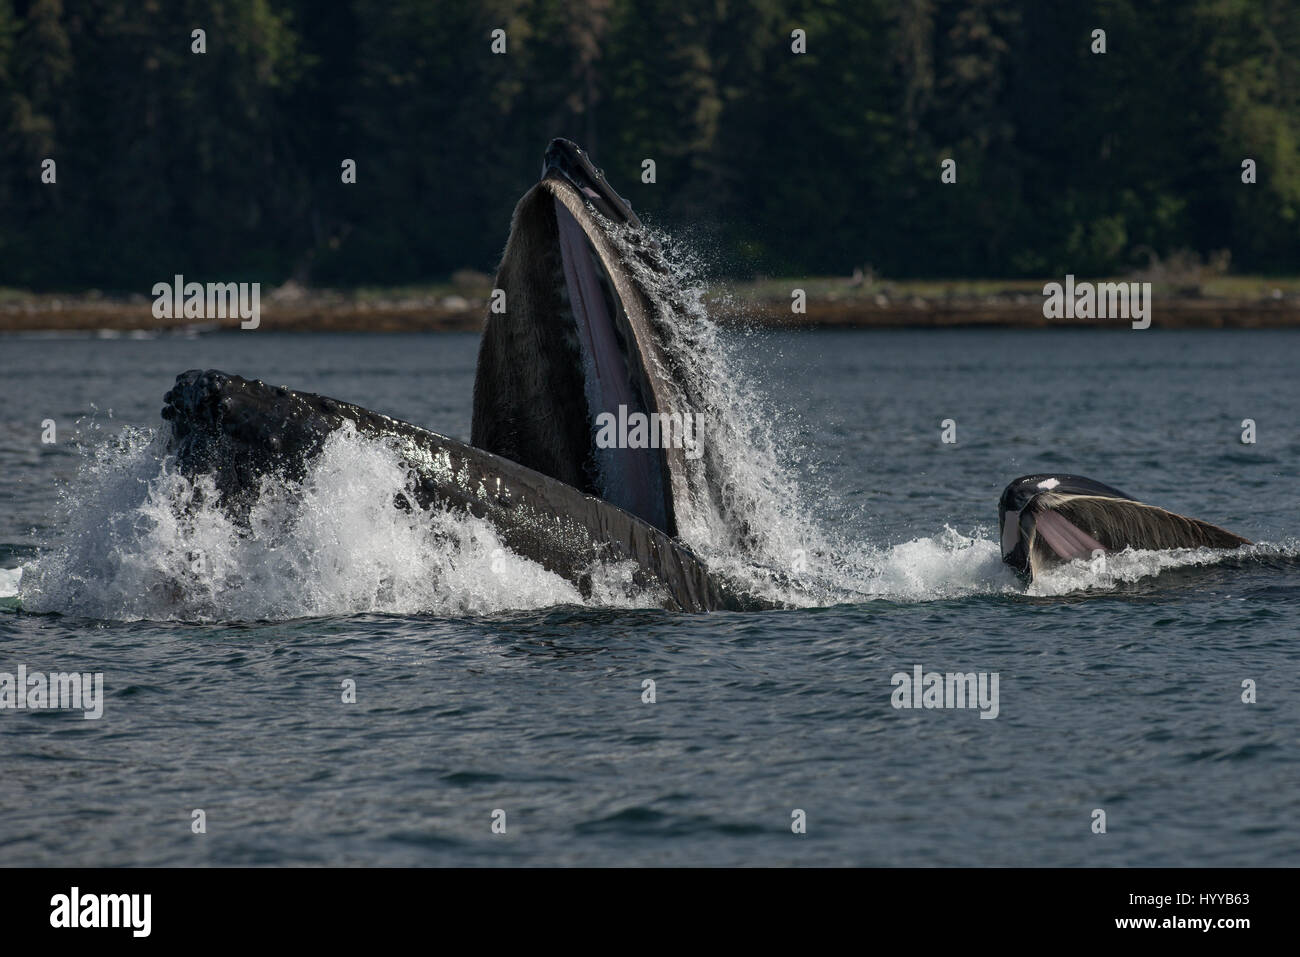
1051, 518
572, 347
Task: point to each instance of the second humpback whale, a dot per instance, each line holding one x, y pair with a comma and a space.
1047, 519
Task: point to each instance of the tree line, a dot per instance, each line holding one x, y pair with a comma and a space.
229, 163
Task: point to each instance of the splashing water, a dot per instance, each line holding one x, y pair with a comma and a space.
146, 542
746, 516
749, 516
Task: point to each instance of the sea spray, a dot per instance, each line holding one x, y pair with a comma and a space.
747, 515
145, 542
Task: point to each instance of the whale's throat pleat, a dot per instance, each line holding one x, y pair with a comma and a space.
624, 469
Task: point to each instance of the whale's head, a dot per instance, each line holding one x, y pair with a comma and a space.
1031, 498
1047, 519
572, 380
568, 161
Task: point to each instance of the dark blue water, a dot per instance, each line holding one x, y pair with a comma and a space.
1120, 689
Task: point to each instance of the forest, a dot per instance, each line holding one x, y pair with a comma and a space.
229, 162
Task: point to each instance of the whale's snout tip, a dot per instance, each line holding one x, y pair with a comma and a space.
566, 160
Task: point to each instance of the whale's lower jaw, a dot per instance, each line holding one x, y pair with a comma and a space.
1050, 519
239, 430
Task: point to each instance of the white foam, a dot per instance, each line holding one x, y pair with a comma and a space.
145, 542
1117, 568
949, 565
9, 581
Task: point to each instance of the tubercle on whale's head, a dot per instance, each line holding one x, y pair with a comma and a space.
568, 161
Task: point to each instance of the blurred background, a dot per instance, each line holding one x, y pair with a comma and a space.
227, 164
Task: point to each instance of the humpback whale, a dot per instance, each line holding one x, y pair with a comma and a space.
1047, 519
575, 339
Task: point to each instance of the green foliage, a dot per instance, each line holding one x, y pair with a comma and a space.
227, 164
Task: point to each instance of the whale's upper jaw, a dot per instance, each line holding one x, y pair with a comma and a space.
570, 162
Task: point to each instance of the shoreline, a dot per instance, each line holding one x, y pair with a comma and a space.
831, 303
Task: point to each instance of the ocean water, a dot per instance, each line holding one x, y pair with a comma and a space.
484, 684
